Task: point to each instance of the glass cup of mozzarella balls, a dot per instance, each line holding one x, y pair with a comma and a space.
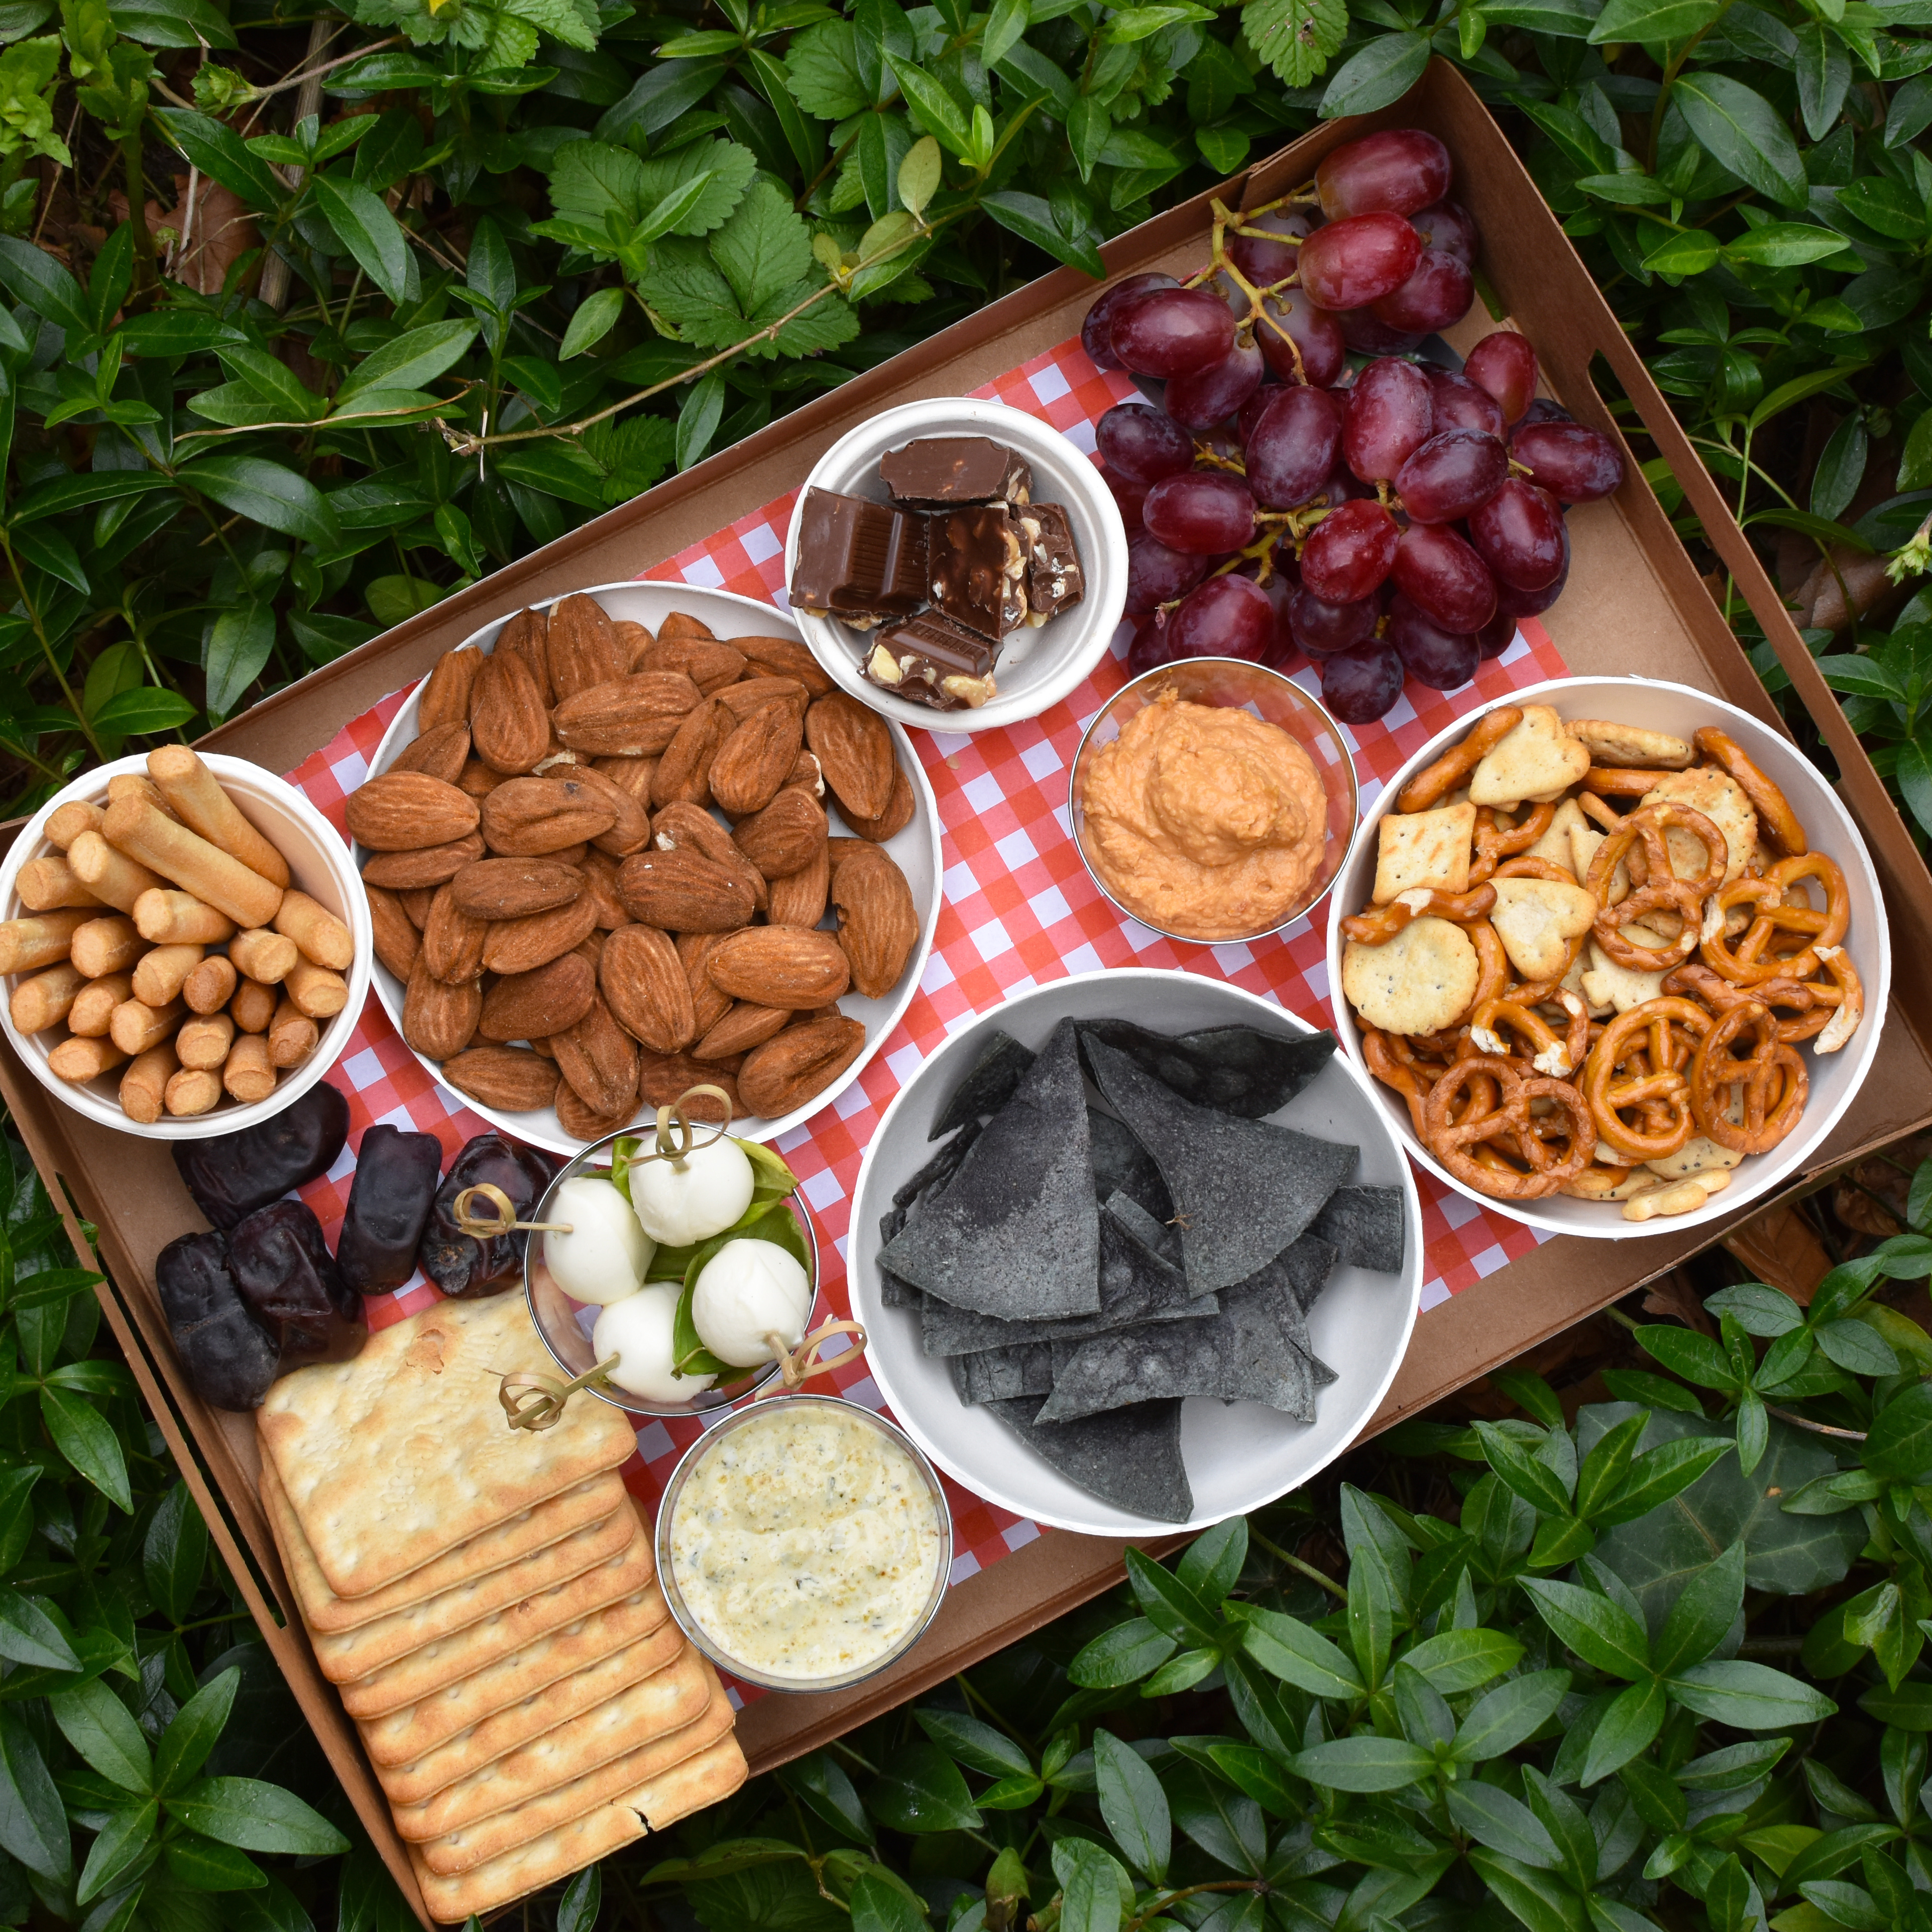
676, 1268
1311, 475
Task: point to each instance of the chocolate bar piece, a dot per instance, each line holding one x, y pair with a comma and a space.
979, 569
933, 662
1055, 582
859, 561
940, 472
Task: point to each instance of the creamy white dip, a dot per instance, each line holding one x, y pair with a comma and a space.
806, 1542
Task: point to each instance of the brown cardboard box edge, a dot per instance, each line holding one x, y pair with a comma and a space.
1630, 569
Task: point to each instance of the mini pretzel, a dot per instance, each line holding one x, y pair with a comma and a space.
1639, 842
1380, 924
1529, 868
1636, 1065
1494, 1023
1493, 963
1814, 1005
1394, 1061
1593, 807
1461, 1143
1774, 809
1437, 781
1851, 999
1748, 959
1620, 781
1772, 1076
1494, 842
1540, 992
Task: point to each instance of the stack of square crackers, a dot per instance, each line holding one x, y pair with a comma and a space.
487, 1600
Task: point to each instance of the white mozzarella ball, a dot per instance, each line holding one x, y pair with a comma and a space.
637, 1331
604, 1257
748, 1290
680, 1202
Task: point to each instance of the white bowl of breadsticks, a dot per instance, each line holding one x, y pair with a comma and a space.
185, 945
1615, 954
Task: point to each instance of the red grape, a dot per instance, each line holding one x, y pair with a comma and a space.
1249, 413
1504, 365
1350, 553
1452, 473
1206, 513
1343, 485
1367, 335
1156, 575
1129, 494
1264, 262
1316, 333
1153, 645
1351, 263
1360, 686
1519, 533
1447, 225
1436, 568
1291, 448
1533, 603
1142, 443
1440, 659
1095, 336
1208, 396
1437, 295
1463, 404
1229, 616
1321, 629
1543, 410
1171, 331
1389, 415
1401, 169
1575, 464
1498, 634
1281, 592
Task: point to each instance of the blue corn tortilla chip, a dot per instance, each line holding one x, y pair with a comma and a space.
1128, 1457
895, 1293
987, 1087
1156, 1236
1236, 1069
1365, 1225
938, 1170
1003, 1375
1121, 1165
1242, 1190
1295, 1279
1016, 1231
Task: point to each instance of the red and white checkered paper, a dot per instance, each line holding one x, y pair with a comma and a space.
1018, 909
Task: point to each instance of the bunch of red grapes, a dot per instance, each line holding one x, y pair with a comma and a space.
1391, 521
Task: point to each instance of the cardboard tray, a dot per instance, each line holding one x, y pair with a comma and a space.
1634, 604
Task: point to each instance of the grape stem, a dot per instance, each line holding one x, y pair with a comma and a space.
1219, 264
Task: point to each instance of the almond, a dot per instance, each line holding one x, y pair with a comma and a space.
405, 811
525, 818
582, 647
416, 901
544, 1050
683, 773
630, 827
440, 1021
591, 946
787, 836
509, 728
753, 694
855, 748
745, 1027
756, 759
599, 1059
581, 1123
643, 983
494, 889
633, 775
799, 898
807, 774
555, 756
786, 1071
691, 828
600, 882
509, 1078
878, 926
896, 817
526, 636
663, 1079
633, 639
442, 751
452, 941
478, 779
707, 663
780, 966
407, 871
522, 945
534, 1005
628, 715
397, 940
677, 625
683, 891
785, 657
445, 691
709, 1002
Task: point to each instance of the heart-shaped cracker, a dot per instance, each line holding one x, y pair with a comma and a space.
1537, 759
1607, 984
1425, 849
1420, 981
1536, 919
1555, 844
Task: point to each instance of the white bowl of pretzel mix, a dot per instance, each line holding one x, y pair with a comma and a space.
1615, 954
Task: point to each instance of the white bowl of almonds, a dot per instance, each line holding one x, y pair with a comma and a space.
633, 842
1615, 955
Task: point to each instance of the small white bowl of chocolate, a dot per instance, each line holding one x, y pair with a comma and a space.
956, 565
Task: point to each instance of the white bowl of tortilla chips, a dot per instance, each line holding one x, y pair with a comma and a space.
1649, 708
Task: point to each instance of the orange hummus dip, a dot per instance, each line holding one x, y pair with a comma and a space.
1205, 821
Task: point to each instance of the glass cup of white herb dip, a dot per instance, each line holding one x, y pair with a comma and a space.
804, 1542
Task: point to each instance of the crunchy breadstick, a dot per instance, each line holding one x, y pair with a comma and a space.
44, 1000
92, 1012
249, 1074
261, 955
80, 1061
315, 991
291, 1035
203, 1041
132, 784
47, 883
27, 943
137, 1026
104, 946
199, 803
207, 988
179, 918
68, 822
137, 829
194, 1089
144, 1085
160, 975
254, 1007
112, 877
321, 935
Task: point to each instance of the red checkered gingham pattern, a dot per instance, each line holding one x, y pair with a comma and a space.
1018, 909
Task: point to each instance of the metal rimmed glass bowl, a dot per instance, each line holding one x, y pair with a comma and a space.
755, 1415
565, 1324
1231, 683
